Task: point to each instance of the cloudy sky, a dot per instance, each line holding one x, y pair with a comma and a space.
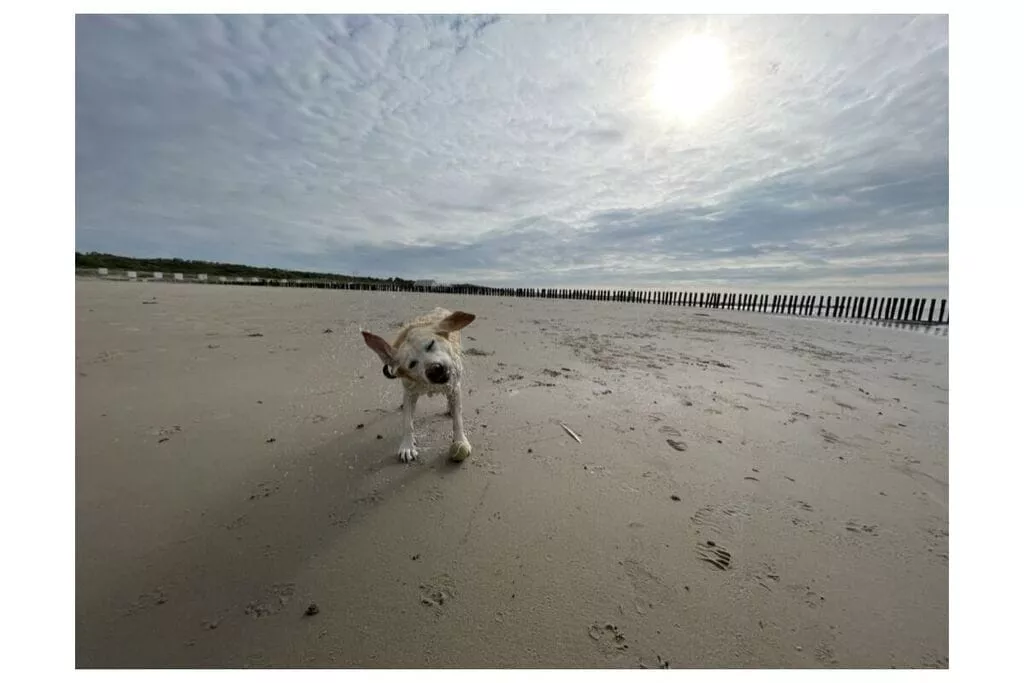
523, 149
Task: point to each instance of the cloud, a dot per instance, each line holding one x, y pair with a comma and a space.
518, 149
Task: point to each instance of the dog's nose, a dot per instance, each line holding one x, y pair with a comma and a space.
437, 373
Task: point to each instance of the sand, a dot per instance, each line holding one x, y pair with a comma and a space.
750, 491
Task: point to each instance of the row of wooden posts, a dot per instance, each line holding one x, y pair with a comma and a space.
900, 309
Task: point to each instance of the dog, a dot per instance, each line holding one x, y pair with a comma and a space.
427, 357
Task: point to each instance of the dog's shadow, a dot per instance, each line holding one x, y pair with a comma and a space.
262, 533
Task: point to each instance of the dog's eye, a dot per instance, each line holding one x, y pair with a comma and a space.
430, 346
412, 364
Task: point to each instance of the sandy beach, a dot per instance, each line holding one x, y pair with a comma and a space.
750, 490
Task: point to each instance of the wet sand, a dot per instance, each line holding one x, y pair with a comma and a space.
750, 491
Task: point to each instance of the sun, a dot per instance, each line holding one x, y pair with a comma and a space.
691, 77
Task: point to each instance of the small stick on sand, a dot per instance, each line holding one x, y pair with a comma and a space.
571, 433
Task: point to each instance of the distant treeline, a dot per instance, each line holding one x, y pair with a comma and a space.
94, 259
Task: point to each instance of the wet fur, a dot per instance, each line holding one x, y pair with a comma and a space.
430, 338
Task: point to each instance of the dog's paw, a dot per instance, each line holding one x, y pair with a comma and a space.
407, 451
459, 450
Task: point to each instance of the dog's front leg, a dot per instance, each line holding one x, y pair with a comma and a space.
407, 450
460, 448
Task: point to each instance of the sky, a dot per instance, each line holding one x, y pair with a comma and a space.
523, 150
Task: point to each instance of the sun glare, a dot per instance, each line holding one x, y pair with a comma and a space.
692, 77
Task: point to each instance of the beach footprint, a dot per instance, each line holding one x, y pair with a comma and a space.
675, 444
719, 520
438, 592
765, 575
609, 638
719, 558
718, 524
802, 521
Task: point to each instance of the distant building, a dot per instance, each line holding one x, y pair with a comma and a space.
425, 283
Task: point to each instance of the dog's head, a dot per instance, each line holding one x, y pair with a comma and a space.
424, 353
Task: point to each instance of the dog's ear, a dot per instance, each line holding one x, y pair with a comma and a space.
380, 347
455, 322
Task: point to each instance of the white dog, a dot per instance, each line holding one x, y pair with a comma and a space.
427, 356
